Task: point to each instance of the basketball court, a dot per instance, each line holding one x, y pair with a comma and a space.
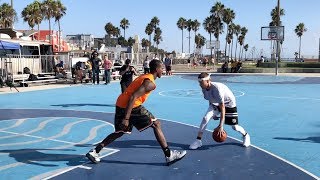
45, 134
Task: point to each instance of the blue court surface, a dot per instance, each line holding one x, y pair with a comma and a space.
45, 134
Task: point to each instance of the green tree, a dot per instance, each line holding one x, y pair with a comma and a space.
48, 10
157, 37
124, 24
208, 26
131, 41
195, 27
200, 41
32, 14
7, 16
59, 12
218, 12
145, 43
189, 28
243, 32
149, 31
237, 31
228, 17
181, 25
299, 30
246, 47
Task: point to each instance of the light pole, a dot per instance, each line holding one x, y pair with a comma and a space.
278, 38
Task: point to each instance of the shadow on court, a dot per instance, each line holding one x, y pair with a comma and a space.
36, 157
314, 139
81, 105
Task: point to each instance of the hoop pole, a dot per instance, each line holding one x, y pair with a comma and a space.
278, 40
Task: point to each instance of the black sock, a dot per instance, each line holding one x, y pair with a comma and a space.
98, 148
166, 151
199, 138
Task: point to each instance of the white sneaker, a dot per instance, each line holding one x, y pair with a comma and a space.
196, 144
175, 156
93, 156
246, 140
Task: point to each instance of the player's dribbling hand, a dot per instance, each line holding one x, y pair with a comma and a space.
220, 130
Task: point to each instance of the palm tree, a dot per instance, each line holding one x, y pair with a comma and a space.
124, 24
208, 26
48, 8
181, 25
237, 30
157, 37
131, 41
228, 17
195, 27
33, 15
243, 31
189, 28
59, 12
199, 41
274, 21
145, 43
155, 22
8, 16
299, 30
246, 47
218, 12
149, 31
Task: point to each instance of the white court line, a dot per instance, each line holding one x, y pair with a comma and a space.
162, 93
286, 97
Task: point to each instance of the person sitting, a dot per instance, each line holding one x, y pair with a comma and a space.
239, 66
224, 67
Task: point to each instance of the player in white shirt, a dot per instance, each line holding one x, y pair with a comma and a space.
222, 105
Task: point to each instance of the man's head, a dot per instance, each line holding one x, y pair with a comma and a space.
128, 61
156, 67
204, 80
95, 54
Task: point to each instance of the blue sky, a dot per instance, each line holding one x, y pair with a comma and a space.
91, 16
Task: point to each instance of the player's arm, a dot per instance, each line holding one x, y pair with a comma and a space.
222, 114
146, 87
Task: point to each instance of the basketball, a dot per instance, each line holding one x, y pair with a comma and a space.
217, 138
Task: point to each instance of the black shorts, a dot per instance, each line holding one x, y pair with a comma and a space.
231, 116
140, 118
168, 68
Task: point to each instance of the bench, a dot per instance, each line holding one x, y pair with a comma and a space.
46, 81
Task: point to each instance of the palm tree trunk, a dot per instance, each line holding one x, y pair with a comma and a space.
189, 42
38, 32
225, 48
210, 47
235, 52
229, 51
299, 46
124, 33
50, 32
231, 47
59, 34
182, 41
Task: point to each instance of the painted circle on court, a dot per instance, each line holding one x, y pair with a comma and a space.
191, 93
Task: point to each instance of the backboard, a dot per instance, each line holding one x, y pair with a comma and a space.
212, 44
272, 33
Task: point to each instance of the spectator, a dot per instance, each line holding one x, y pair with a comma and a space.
224, 67
168, 65
96, 63
107, 65
146, 65
127, 71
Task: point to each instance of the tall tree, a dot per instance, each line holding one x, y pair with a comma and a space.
243, 32
149, 31
48, 10
189, 28
124, 24
237, 31
200, 41
218, 12
246, 47
228, 17
274, 22
59, 12
7, 16
208, 26
181, 25
157, 37
195, 27
299, 30
33, 15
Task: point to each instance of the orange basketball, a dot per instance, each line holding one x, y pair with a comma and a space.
220, 138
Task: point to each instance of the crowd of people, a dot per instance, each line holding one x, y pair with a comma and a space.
235, 66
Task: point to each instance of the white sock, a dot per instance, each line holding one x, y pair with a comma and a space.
239, 129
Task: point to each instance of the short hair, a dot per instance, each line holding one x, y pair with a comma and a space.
203, 75
154, 64
128, 61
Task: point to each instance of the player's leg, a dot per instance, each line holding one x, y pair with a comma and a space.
231, 118
211, 112
143, 119
93, 155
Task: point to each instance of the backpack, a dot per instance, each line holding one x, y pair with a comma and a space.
32, 77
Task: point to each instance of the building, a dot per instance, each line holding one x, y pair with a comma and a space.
80, 41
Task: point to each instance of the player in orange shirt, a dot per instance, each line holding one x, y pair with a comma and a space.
130, 112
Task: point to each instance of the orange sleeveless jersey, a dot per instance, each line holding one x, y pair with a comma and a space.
123, 99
